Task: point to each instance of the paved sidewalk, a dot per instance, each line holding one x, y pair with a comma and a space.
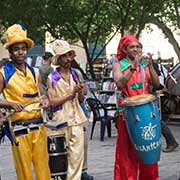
101, 158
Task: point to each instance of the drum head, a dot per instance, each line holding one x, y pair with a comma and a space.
139, 99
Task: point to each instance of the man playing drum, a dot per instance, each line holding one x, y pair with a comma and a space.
129, 79
20, 87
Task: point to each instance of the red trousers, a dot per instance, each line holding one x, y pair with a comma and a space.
127, 164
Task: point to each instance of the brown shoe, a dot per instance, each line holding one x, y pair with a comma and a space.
171, 147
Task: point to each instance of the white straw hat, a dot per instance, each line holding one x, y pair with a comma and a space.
60, 47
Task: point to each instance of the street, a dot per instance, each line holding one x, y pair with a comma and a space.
101, 158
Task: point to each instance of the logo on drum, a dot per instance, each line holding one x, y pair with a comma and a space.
148, 132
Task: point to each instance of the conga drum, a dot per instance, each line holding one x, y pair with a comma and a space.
144, 128
58, 162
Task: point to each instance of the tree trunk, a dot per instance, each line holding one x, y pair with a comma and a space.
169, 35
89, 60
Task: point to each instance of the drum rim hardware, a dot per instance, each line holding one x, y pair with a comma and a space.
57, 154
58, 174
137, 102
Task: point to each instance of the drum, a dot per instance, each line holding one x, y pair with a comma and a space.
173, 80
143, 124
58, 162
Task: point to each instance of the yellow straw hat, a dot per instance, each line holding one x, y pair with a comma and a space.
16, 34
60, 47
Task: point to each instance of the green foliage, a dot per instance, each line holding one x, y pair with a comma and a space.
90, 21
27, 12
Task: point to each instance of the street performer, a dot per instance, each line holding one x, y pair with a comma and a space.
66, 91
128, 76
20, 85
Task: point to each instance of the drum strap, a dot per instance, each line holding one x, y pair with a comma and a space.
143, 77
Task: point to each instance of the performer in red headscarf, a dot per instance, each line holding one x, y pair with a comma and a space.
128, 77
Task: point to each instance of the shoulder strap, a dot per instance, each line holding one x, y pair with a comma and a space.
143, 77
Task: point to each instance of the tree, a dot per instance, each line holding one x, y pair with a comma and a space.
85, 20
90, 21
27, 12
164, 13
94, 21
168, 20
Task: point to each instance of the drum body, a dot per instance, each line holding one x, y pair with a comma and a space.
173, 80
143, 124
58, 162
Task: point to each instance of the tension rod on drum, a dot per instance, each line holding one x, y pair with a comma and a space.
153, 111
135, 115
137, 118
152, 114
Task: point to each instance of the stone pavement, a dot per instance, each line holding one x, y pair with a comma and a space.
101, 158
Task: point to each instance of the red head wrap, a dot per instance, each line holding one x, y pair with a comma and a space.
123, 43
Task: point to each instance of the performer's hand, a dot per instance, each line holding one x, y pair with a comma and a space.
137, 58
77, 89
72, 94
149, 58
80, 87
45, 102
134, 64
16, 107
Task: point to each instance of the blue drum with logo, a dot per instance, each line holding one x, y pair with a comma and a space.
144, 128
